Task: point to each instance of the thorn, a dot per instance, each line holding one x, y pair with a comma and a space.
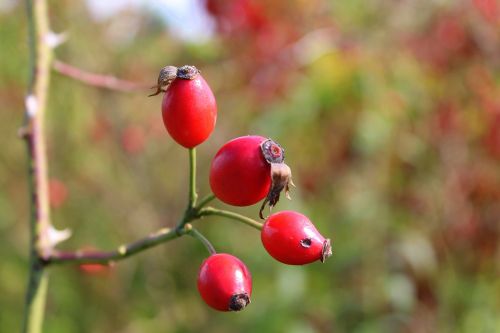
31, 105
55, 236
53, 39
281, 176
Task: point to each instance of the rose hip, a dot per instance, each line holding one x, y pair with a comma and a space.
189, 109
225, 283
291, 238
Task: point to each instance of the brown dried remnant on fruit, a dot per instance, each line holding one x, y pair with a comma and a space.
272, 151
239, 301
166, 76
187, 72
326, 251
281, 179
281, 174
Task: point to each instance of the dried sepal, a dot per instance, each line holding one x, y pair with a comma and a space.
326, 251
166, 76
281, 179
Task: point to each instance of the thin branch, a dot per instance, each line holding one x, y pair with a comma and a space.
199, 236
34, 134
97, 80
161, 236
207, 211
204, 201
120, 253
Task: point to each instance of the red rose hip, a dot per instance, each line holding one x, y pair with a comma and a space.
239, 174
189, 109
225, 283
291, 238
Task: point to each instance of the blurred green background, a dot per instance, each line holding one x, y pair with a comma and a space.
389, 112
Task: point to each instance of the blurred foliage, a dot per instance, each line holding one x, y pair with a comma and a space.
390, 115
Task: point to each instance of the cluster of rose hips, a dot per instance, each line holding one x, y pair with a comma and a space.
244, 171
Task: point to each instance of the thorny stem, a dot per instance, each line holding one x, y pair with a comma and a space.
198, 235
34, 127
33, 133
235, 216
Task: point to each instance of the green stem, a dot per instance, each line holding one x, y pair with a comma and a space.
207, 211
204, 201
122, 252
193, 196
35, 298
198, 235
191, 210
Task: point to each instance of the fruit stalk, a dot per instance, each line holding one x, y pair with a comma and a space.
205, 200
191, 211
34, 135
193, 196
207, 211
199, 236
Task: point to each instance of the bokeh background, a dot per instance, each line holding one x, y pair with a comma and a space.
390, 115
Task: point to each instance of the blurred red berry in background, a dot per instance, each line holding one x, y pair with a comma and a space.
58, 193
133, 139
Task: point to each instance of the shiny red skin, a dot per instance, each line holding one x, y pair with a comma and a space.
189, 111
239, 174
282, 234
221, 276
